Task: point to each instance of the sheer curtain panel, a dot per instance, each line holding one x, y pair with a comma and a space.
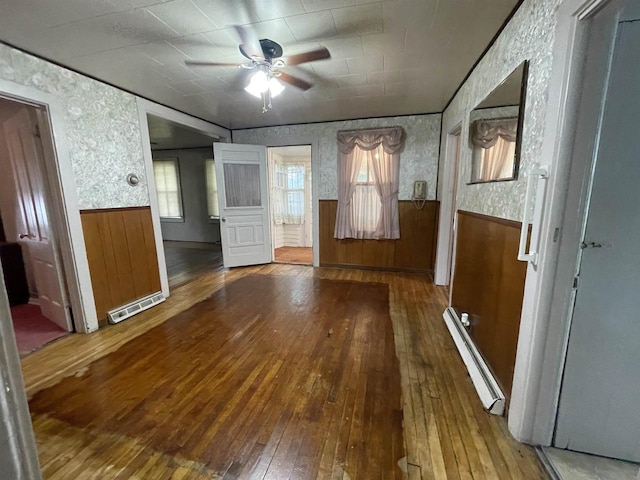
376, 152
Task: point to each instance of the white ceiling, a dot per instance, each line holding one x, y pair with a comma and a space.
389, 57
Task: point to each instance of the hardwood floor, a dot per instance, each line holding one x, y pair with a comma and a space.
294, 255
115, 433
188, 260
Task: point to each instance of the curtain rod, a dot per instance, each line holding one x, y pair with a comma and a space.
369, 129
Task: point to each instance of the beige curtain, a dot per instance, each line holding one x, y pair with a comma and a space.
494, 148
380, 148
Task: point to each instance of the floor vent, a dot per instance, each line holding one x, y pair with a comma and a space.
122, 313
486, 385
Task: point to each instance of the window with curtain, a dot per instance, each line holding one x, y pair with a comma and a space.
167, 179
494, 149
289, 180
213, 211
368, 182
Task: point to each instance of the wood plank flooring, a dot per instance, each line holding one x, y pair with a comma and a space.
294, 255
188, 260
446, 433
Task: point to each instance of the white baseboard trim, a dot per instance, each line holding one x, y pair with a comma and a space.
488, 390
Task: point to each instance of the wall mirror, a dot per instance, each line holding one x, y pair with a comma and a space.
495, 130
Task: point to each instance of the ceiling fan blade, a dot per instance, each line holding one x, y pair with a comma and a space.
249, 42
198, 63
312, 56
295, 81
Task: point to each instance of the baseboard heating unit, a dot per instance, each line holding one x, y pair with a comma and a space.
488, 390
122, 313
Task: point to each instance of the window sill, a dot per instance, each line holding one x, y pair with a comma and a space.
214, 220
171, 219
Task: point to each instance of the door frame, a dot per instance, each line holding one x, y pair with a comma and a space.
270, 186
63, 202
542, 342
445, 253
293, 141
147, 107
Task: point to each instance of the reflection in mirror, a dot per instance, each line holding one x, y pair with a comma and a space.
495, 127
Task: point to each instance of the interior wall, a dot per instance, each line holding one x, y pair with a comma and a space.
528, 36
196, 226
418, 160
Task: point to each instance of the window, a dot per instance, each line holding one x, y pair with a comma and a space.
168, 188
212, 189
289, 193
366, 202
368, 181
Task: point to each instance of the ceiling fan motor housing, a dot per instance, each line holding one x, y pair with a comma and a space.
270, 49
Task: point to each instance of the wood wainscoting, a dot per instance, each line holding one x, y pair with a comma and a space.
122, 256
413, 251
488, 284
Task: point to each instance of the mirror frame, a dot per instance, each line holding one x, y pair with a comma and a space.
523, 98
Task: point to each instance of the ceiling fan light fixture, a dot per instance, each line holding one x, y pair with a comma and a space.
275, 87
258, 84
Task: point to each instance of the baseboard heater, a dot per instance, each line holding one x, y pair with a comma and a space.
488, 390
122, 313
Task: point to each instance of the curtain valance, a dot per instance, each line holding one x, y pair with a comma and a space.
391, 139
485, 133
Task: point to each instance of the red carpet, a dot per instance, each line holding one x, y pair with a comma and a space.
33, 330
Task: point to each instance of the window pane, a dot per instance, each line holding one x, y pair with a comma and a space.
242, 185
295, 203
212, 189
168, 187
295, 177
363, 175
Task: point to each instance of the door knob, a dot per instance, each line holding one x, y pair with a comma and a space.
26, 235
223, 219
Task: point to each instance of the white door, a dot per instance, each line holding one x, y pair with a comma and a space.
598, 411
25, 151
243, 196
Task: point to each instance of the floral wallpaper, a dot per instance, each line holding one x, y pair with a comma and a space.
102, 128
418, 160
528, 36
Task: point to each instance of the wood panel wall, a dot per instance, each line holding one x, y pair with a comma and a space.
122, 256
413, 251
488, 284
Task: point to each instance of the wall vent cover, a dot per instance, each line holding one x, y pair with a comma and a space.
122, 313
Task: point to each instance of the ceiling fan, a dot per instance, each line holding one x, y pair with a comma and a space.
266, 60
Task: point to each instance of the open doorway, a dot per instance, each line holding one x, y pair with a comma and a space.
31, 262
291, 204
183, 168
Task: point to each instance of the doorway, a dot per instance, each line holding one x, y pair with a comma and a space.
596, 407
31, 261
290, 197
185, 181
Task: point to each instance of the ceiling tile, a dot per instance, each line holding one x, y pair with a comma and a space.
276, 30
365, 64
316, 5
282, 8
383, 43
356, 80
226, 13
107, 32
196, 47
312, 26
331, 68
183, 16
348, 47
359, 20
